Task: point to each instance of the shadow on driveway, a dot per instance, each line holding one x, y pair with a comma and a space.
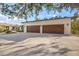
22, 36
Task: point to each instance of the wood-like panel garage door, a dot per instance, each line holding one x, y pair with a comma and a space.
35, 29
57, 29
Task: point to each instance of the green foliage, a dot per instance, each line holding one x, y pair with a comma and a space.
8, 31
19, 28
75, 27
1, 30
23, 10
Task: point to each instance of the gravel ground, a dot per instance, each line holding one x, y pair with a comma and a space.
34, 44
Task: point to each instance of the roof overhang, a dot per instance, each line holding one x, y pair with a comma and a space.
48, 22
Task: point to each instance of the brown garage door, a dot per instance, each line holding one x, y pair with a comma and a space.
58, 29
35, 29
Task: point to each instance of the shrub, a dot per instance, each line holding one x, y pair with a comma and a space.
8, 31
75, 27
1, 30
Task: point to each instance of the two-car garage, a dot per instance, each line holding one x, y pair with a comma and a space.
57, 29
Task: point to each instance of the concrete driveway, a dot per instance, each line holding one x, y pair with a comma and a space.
20, 36
34, 44
17, 36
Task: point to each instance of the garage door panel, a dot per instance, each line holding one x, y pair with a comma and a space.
58, 29
35, 29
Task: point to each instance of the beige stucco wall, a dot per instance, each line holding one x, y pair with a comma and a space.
65, 21
49, 22
10, 28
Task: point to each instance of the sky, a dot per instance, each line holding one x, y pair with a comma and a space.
42, 15
5, 19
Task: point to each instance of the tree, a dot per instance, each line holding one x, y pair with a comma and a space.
36, 8
23, 10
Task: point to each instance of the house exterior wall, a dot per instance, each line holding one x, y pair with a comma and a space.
65, 21
2, 27
25, 28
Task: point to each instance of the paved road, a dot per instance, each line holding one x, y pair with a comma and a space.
22, 36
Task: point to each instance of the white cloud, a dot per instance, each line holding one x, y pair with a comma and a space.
1, 21
54, 15
5, 19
